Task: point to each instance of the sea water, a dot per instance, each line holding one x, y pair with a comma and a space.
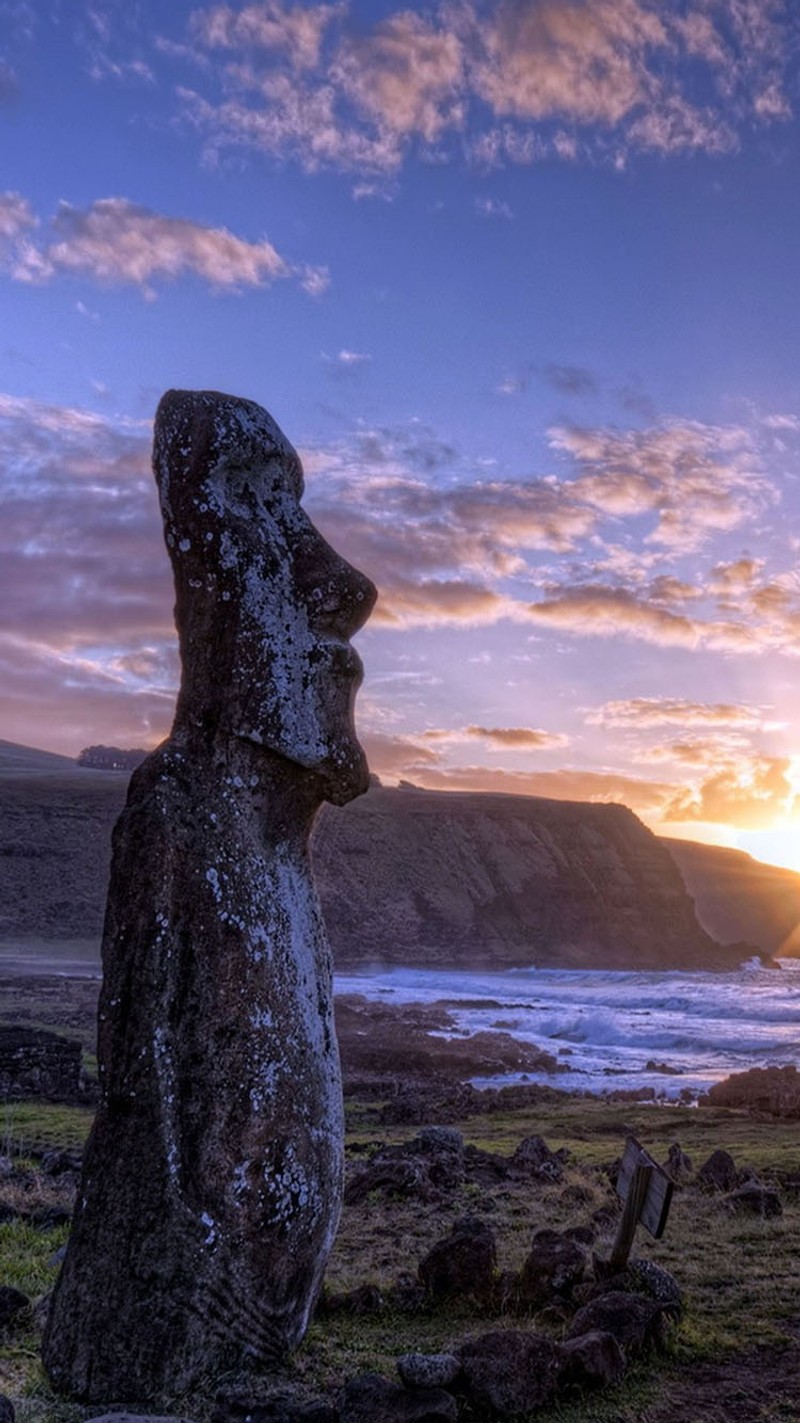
675, 1032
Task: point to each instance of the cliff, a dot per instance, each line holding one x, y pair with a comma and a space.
737, 897
406, 876
500, 881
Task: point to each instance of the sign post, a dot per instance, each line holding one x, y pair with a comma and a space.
646, 1191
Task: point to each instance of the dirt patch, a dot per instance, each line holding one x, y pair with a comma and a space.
760, 1386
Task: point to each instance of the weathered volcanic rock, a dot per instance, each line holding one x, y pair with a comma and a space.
773, 1090
211, 1183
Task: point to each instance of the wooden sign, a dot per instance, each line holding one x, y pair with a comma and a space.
646, 1191
655, 1206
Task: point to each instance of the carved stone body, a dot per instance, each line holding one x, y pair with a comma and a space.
212, 1180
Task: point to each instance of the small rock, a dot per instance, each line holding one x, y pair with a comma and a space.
7, 1414
553, 1268
755, 1199
394, 1178
592, 1360
365, 1299
12, 1303
510, 1371
137, 1418
534, 1157
463, 1263
55, 1260
373, 1399
678, 1166
428, 1370
56, 1163
284, 1404
637, 1323
50, 1217
718, 1173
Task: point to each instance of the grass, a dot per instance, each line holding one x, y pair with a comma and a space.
739, 1274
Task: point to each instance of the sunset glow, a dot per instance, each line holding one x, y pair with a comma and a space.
519, 279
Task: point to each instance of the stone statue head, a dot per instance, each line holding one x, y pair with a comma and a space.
264, 606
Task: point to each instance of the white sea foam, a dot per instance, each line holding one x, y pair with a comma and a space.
606, 1027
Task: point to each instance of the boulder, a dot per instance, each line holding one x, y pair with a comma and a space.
678, 1166
636, 1323
428, 1370
592, 1360
12, 1303
551, 1271
772, 1090
755, 1199
373, 1399
285, 1404
718, 1173
533, 1157
463, 1263
364, 1299
509, 1371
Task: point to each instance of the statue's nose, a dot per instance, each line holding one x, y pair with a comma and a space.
343, 600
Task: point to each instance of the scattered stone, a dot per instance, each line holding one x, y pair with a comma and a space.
36, 1063
392, 1178
463, 1263
551, 1271
286, 1403
663, 1067
592, 1360
510, 1371
365, 1299
533, 1157
718, 1173
55, 1260
373, 1399
428, 1370
644, 1277
678, 1166
12, 1303
57, 1163
755, 1199
637, 1323
124, 1417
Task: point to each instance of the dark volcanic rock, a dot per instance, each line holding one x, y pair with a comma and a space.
554, 1266
373, 1399
636, 1323
430, 1165
428, 1370
12, 1303
212, 1179
533, 1157
463, 1263
7, 1414
35, 1063
592, 1360
718, 1173
283, 1404
755, 1199
510, 1371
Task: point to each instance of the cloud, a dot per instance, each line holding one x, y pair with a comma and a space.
642, 713
116, 241
692, 479
406, 77
500, 738
750, 795
504, 81
596, 610
570, 380
493, 207
16, 218
292, 31
352, 358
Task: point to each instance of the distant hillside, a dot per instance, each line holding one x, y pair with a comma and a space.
405, 876
738, 897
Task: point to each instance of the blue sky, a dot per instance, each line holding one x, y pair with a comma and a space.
518, 278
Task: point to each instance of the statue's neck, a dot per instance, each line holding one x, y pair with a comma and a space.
256, 784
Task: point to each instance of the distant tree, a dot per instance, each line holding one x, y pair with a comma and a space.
111, 758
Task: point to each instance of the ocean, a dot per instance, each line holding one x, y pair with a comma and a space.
675, 1032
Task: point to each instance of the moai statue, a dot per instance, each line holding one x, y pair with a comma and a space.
212, 1180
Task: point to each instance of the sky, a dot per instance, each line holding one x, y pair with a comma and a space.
519, 280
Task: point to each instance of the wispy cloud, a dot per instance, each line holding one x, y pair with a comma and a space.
116, 241
503, 80
500, 738
751, 793
639, 713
